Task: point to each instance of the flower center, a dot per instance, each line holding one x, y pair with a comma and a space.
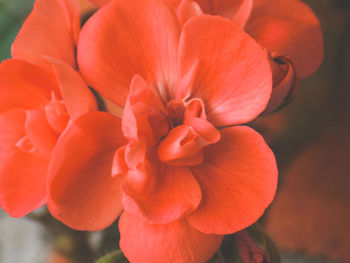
189, 132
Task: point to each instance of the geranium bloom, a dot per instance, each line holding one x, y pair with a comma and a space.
288, 30
40, 92
175, 167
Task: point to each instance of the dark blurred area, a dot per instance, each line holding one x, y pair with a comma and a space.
311, 139
310, 217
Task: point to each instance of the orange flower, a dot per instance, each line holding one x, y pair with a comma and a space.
176, 168
39, 94
288, 30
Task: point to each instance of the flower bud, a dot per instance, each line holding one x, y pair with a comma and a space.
251, 245
285, 83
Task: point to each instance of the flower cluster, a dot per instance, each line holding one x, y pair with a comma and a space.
174, 161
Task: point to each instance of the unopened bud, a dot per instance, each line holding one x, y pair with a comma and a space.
285, 83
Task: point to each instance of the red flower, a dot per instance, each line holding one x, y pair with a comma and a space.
287, 29
180, 173
37, 101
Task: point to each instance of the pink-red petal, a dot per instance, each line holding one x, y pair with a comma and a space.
99, 3
187, 9
176, 193
40, 133
83, 193
22, 174
285, 83
50, 30
237, 10
176, 242
233, 77
123, 39
24, 85
290, 29
238, 178
76, 95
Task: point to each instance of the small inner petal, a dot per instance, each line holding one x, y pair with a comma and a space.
56, 114
176, 111
25, 145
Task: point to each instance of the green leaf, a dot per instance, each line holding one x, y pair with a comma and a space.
229, 251
12, 15
114, 257
274, 254
218, 258
257, 235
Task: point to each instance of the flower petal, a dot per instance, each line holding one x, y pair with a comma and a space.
233, 77
174, 242
291, 29
285, 83
24, 85
122, 39
186, 10
176, 193
77, 97
237, 10
50, 30
22, 174
99, 3
137, 115
83, 193
40, 133
238, 179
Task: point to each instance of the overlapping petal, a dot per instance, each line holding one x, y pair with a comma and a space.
175, 194
40, 133
187, 9
238, 179
237, 10
100, 3
291, 29
123, 39
233, 76
50, 30
23, 174
76, 95
24, 85
83, 193
174, 242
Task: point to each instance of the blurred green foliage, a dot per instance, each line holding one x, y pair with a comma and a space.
12, 15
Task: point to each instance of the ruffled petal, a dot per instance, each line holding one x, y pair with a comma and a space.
175, 242
233, 76
76, 95
22, 174
291, 29
142, 111
175, 194
238, 178
83, 193
24, 85
122, 39
50, 30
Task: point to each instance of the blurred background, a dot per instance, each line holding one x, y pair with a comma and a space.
310, 217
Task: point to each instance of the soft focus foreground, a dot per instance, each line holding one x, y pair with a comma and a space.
322, 100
